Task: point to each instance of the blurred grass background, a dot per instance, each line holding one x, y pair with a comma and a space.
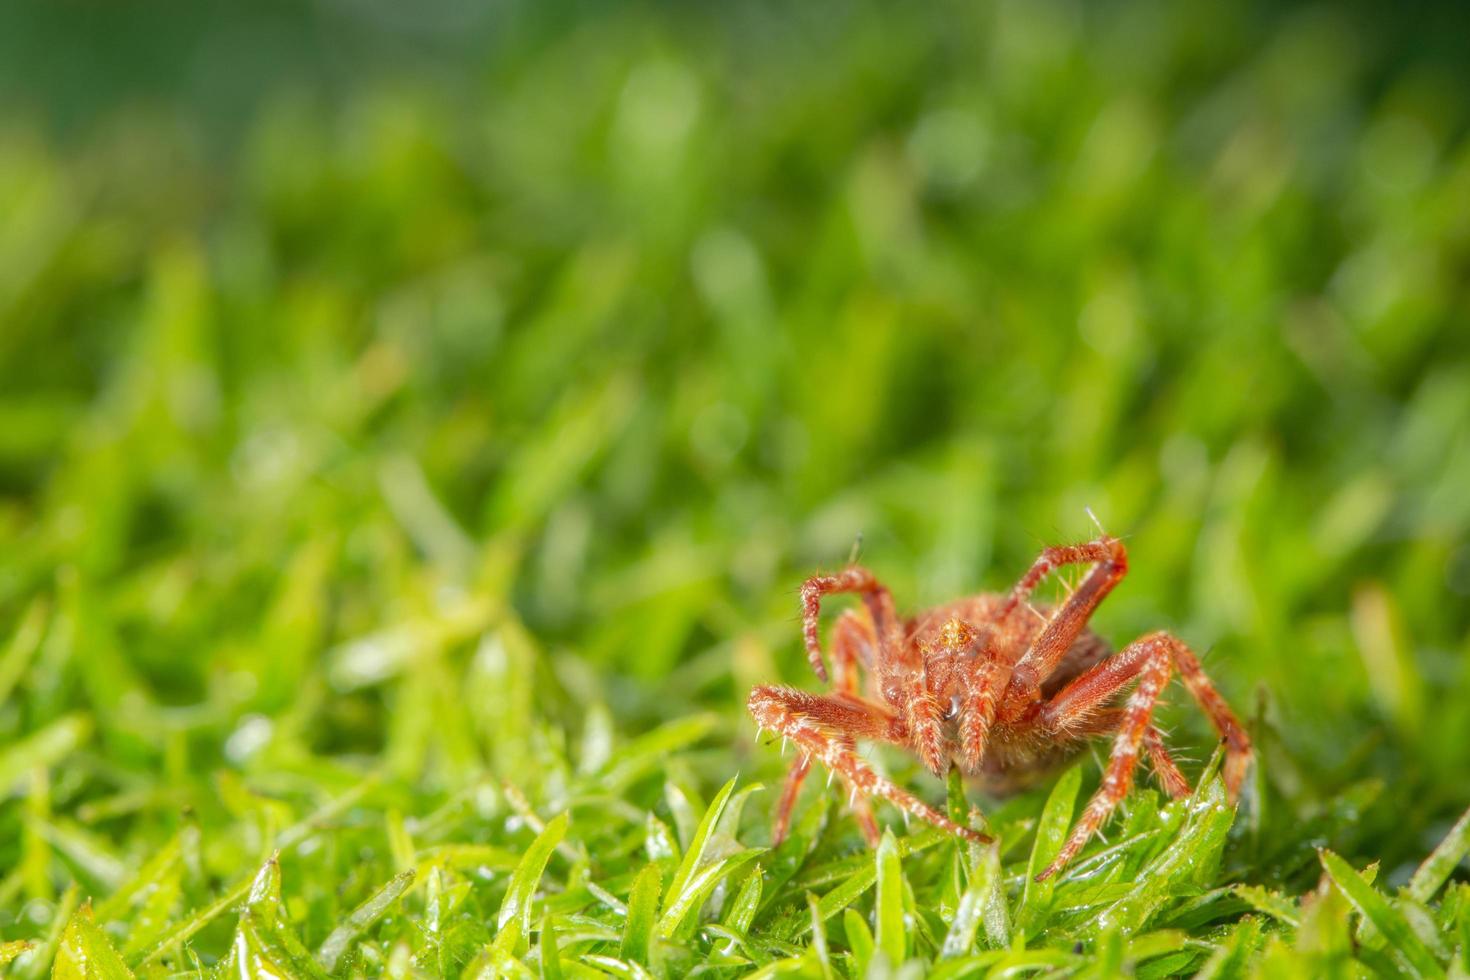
332, 337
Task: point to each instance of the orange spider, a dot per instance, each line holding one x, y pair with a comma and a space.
1006, 690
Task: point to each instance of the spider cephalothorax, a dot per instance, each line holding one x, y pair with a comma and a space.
1005, 689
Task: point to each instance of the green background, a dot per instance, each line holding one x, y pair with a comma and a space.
418, 397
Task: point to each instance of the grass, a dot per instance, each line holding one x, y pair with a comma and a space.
401, 488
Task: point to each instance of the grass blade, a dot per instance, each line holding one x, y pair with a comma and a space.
843, 895
648, 752
694, 857
1401, 937
747, 901
527, 875
892, 939
859, 940
42, 749
85, 952
982, 901
1436, 869
1051, 833
698, 888
362, 917
1274, 904
642, 912
195, 922
10, 950
162, 864
819, 937
24, 642
1186, 865
550, 950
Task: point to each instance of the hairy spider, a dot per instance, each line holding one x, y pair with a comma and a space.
1006, 689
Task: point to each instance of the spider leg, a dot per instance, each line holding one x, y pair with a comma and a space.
825, 728
862, 812
854, 640
1148, 661
1106, 722
1110, 563
1238, 751
1165, 768
924, 719
795, 776
857, 579
898, 662
1151, 660
1094, 688
980, 691
852, 643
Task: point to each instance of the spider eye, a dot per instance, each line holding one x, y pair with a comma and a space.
890, 692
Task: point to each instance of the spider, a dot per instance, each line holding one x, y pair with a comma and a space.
1007, 690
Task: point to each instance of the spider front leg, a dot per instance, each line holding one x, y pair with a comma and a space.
898, 663
876, 598
1151, 660
795, 776
983, 674
853, 641
823, 727
862, 812
1110, 564
854, 645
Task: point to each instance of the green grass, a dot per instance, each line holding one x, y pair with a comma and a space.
401, 487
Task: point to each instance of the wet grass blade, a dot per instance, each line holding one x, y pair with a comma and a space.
527, 875
642, 914
191, 925
741, 912
1274, 904
86, 953
362, 917
10, 950
982, 901
677, 916
844, 894
694, 855
859, 941
819, 937
1051, 833
1186, 865
1371, 904
42, 954
892, 938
